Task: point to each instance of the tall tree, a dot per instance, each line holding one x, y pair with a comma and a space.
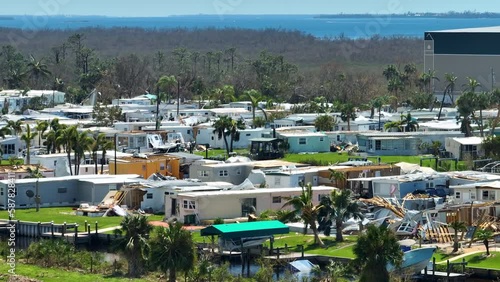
134, 243
485, 235
221, 126
308, 211
67, 138
172, 250
165, 85
15, 126
41, 127
341, 207
348, 113
482, 102
466, 107
105, 146
458, 226
324, 122
374, 250
28, 137
449, 89
495, 102
82, 142
37, 70
255, 97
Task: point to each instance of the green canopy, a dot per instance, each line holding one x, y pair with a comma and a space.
246, 229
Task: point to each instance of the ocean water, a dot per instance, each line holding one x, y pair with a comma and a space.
351, 27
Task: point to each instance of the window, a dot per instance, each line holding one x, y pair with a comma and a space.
9, 149
203, 173
302, 141
277, 181
378, 144
189, 205
248, 134
86, 169
62, 190
144, 167
149, 196
238, 171
188, 131
223, 173
321, 139
457, 195
162, 166
488, 195
276, 200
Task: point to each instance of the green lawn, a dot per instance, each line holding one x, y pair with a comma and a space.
333, 248
66, 214
58, 274
478, 261
333, 158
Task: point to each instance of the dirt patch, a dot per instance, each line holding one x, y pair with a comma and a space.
19, 278
165, 224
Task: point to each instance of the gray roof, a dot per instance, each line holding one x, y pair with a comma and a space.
487, 29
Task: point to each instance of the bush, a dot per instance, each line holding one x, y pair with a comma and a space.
219, 221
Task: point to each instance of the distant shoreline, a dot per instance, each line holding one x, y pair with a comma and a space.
458, 15
450, 15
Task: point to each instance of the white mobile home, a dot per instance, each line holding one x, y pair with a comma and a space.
207, 171
63, 191
466, 147
198, 206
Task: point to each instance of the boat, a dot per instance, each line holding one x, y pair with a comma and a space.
414, 261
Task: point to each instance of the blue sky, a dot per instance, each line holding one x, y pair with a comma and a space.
189, 7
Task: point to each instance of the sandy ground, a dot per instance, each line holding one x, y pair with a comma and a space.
165, 224
475, 248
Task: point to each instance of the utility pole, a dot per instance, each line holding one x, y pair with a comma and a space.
116, 148
178, 95
157, 108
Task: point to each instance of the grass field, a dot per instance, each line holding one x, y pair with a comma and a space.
66, 214
479, 261
328, 158
56, 274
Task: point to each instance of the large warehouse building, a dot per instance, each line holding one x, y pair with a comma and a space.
471, 52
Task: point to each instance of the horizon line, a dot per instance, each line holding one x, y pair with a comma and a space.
457, 13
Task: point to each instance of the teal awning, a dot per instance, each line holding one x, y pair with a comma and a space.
246, 229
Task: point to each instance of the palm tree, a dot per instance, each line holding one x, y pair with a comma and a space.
374, 250
337, 176
35, 173
466, 108
81, 144
348, 113
172, 250
303, 205
495, 100
134, 243
457, 226
450, 87
93, 148
28, 138
234, 131
255, 97
66, 139
341, 208
482, 102
427, 78
378, 103
37, 70
410, 124
4, 131
471, 85
221, 127
164, 85
15, 126
324, 123
105, 146
485, 235
41, 127
395, 86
